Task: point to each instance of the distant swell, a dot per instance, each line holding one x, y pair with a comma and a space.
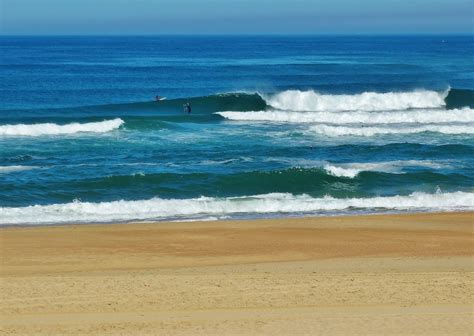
202, 207
55, 129
294, 100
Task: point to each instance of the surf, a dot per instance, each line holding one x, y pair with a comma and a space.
295, 100
203, 207
291, 100
337, 131
341, 180
34, 130
392, 117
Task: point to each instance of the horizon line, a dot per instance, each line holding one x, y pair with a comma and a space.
238, 34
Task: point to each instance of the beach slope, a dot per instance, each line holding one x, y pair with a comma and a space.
384, 274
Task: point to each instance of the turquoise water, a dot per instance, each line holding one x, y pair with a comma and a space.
280, 126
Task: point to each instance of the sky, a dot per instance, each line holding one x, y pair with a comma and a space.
137, 17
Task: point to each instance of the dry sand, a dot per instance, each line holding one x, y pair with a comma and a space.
391, 274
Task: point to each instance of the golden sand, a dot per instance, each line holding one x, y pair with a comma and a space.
390, 274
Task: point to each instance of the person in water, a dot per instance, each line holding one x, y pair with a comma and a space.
187, 108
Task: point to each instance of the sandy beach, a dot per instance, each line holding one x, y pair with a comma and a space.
383, 274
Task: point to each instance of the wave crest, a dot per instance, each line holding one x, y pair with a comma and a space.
157, 208
395, 167
55, 129
295, 100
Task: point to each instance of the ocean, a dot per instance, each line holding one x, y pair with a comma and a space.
279, 126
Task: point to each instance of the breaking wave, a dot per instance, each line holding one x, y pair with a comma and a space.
340, 115
295, 100
55, 129
353, 169
291, 100
158, 208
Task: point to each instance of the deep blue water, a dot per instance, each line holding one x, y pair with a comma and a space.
280, 125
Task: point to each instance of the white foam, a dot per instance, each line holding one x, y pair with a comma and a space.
158, 208
334, 131
295, 100
353, 169
55, 129
387, 117
10, 169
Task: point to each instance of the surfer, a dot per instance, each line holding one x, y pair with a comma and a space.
187, 108
158, 98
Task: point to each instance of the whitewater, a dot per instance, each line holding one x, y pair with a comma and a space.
465, 115
35, 130
364, 115
159, 209
295, 100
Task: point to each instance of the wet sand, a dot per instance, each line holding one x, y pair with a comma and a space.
388, 274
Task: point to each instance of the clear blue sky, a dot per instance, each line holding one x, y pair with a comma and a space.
235, 16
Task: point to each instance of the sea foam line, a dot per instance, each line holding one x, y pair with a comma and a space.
55, 129
295, 100
334, 131
157, 208
392, 117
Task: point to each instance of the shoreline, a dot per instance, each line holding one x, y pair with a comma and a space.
400, 273
244, 218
